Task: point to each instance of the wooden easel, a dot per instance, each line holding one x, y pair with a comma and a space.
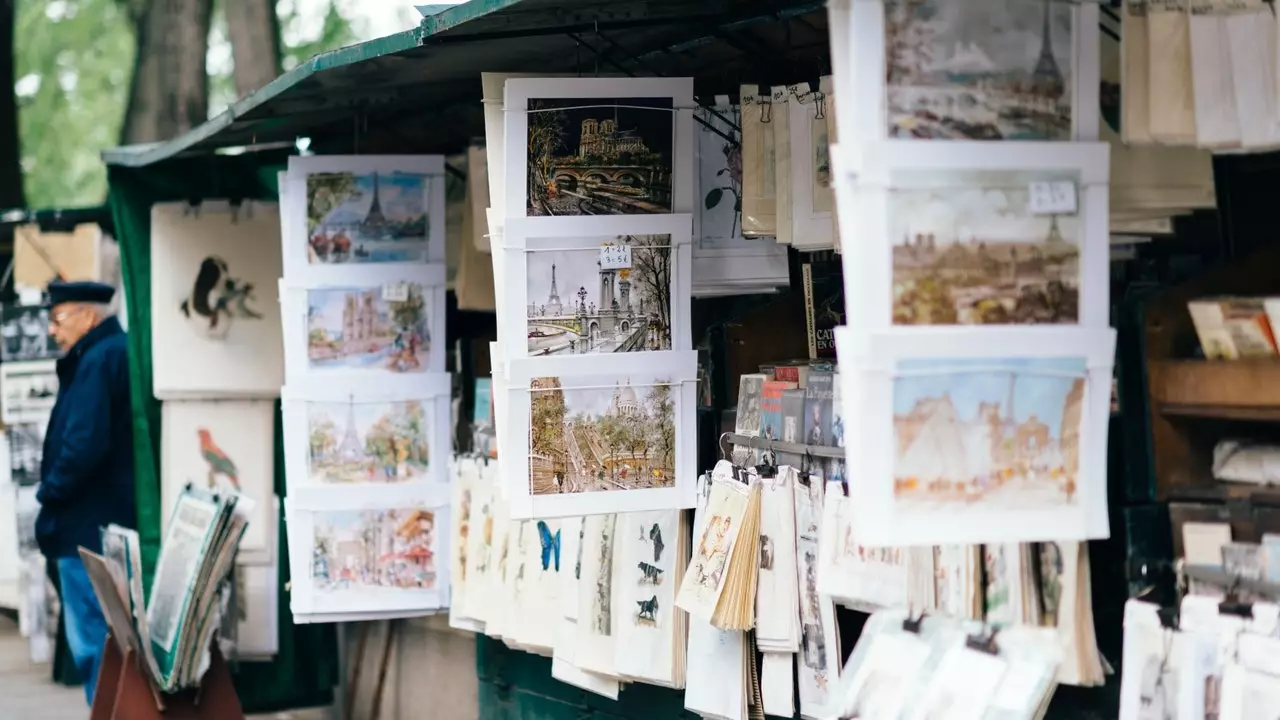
124, 692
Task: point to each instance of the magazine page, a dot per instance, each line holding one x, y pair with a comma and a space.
123, 548
191, 529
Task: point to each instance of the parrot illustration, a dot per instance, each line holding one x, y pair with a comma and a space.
219, 463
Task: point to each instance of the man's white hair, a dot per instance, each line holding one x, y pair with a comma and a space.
102, 310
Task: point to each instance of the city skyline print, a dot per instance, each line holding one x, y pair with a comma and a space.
375, 551
967, 250
609, 433
600, 156
577, 306
368, 442
1003, 432
1001, 71
367, 217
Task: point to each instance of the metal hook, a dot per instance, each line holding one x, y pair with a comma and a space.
724, 453
766, 110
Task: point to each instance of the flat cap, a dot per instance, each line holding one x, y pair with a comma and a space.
80, 292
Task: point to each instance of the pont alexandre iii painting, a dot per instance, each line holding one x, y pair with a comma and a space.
369, 328
368, 442
576, 306
375, 550
616, 433
998, 70
355, 217
971, 253
1003, 432
600, 156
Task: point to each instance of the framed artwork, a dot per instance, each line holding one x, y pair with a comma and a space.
991, 436
30, 389
598, 146
24, 330
595, 292
383, 549
724, 261
936, 69
376, 210
380, 433
602, 437
25, 449
961, 241
215, 309
377, 323
812, 199
223, 446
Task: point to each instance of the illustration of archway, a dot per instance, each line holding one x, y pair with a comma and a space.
566, 181
593, 330
597, 178
630, 179
626, 326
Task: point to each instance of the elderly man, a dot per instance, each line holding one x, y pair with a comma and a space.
86, 473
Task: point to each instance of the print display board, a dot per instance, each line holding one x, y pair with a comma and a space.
376, 210
597, 292
389, 432
598, 146
29, 391
382, 550
609, 439
1002, 440
24, 330
224, 446
946, 70
967, 236
215, 308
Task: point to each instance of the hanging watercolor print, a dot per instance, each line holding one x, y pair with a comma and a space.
935, 69
648, 561
967, 436
598, 614
369, 210
217, 302
390, 433
223, 446
598, 442
385, 327
596, 146
819, 665
383, 551
968, 237
597, 293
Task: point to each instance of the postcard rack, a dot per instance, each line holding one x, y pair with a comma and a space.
126, 693
1219, 578
759, 443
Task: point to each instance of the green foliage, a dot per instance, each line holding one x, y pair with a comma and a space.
326, 191
73, 64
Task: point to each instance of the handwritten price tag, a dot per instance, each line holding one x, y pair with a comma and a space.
615, 257
395, 292
1052, 198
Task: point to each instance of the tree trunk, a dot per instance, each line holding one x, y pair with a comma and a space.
254, 31
11, 194
170, 90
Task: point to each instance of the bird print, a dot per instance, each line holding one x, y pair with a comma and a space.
655, 534
216, 297
219, 463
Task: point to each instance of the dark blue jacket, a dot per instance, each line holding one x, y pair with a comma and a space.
86, 472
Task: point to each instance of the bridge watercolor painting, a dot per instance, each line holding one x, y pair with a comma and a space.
363, 328
577, 307
968, 251
367, 217
600, 156
1001, 73
610, 433
1001, 432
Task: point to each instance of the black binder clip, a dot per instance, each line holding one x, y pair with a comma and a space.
912, 625
1168, 617
1232, 604
983, 642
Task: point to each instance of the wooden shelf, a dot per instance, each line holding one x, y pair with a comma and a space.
1223, 389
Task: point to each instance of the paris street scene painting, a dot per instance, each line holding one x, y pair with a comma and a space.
600, 156
577, 306
612, 433
368, 328
998, 70
367, 442
367, 217
1003, 432
374, 550
971, 253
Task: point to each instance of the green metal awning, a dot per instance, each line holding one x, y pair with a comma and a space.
418, 91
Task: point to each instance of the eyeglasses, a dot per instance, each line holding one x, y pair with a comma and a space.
59, 318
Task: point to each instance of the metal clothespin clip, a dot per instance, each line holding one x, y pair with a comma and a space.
983, 642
